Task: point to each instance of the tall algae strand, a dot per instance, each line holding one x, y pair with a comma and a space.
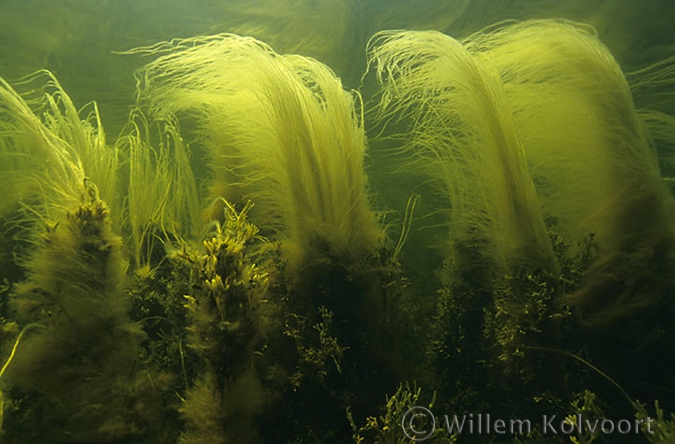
162, 205
595, 170
279, 130
75, 372
553, 193
461, 136
456, 128
282, 132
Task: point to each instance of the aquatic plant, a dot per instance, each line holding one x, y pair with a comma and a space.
461, 136
162, 204
663, 424
82, 360
610, 232
389, 427
595, 171
228, 315
278, 130
36, 163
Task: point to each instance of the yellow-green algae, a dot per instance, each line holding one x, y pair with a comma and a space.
224, 270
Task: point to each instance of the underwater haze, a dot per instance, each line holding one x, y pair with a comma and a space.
337, 221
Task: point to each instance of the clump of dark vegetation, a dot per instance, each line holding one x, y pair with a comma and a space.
217, 343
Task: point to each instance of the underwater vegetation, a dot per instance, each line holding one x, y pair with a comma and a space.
225, 270
282, 132
540, 163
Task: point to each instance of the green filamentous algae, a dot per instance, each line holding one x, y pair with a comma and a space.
351, 221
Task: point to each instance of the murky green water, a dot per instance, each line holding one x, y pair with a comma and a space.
285, 225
